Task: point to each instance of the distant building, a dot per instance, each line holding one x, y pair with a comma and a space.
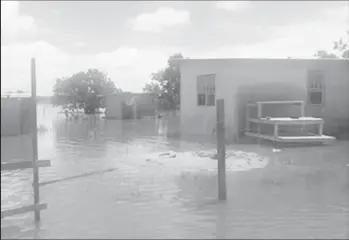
126, 105
15, 115
322, 84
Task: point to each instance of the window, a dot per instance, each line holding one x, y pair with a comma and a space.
315, 87
206, 90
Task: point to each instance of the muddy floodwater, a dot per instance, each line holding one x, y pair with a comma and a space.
130, 179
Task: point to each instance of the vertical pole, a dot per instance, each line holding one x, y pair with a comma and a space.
34, 140
259, 115
222, 189
302, 109
247, 116
321, 127
276, 130
259, 109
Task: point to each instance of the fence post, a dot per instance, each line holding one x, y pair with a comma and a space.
222, 189
34, 140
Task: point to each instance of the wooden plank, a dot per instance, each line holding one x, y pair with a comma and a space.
293, 139
9, 166
306, 138
34, 140
21, 210
222, 188
281, 102
288, 121
257, 135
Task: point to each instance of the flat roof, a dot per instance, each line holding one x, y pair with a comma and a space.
262, 60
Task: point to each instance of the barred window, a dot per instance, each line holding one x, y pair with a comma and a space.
316, 87
206, 90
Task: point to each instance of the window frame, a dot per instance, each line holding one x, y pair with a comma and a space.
207, 87
315, 85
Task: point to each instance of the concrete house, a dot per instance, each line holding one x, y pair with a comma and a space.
323, 85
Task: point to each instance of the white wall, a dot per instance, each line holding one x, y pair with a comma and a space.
240, 80
201, 120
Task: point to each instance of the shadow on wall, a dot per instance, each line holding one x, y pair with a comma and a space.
268, 92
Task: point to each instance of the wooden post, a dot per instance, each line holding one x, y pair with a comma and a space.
302, 109
247, 116
321, 127
222, 189
276, 130
259, 115
34, 140
259, 109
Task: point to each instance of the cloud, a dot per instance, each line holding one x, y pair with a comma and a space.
80, 44
231, 5
128, 67
123, 56
14, 25
130, 58
160, 19
296, 41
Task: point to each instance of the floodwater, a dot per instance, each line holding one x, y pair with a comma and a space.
128, 179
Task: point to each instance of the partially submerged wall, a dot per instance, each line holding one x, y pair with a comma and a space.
241, 80
130, 105
15, 116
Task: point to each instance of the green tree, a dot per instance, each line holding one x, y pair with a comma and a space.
166, 83
341, 50
83, 90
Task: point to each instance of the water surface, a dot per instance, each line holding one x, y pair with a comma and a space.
137, 191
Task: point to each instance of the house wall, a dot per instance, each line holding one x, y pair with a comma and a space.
144, 105
335, 110
242, 80
201, 120
113, 104
15, 116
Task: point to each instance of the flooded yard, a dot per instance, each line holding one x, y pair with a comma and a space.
144, 184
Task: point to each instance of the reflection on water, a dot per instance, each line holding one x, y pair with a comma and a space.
137, 192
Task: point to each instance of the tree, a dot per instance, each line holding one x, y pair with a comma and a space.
152, 87
340, 47
83, 90
325, 55
166, 83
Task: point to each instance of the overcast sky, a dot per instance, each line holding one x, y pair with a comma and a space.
129, 40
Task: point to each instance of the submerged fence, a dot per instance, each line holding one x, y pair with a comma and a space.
29, 114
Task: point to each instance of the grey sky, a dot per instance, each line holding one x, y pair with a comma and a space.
130, 40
